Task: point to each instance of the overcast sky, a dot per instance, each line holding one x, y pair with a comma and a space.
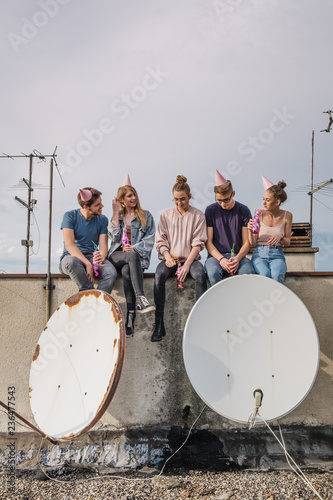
156, 88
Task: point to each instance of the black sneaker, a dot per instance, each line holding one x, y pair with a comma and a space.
143, 306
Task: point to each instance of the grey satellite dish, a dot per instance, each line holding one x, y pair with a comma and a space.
77, 365
247, 333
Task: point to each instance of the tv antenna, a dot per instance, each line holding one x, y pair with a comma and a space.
30, 203
313, 188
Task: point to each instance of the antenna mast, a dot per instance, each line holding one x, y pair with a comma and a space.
311, 193
31, 202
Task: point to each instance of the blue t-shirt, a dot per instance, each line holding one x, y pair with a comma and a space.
85, 231
227, 225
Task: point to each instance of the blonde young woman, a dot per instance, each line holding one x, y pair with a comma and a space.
181, 235
132, 257
274, 233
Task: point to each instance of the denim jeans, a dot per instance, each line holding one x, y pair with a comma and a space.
163, 272
76, 270
129, 264
215, 272
270, 261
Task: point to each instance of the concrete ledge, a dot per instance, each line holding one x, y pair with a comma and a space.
299, 259
155, 401
146, 275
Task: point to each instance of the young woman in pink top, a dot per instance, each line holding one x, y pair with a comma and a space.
181, 235
274, 233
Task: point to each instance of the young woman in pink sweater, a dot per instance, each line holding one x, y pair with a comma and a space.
181, 236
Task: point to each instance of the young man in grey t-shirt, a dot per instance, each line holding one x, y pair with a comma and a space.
85, 229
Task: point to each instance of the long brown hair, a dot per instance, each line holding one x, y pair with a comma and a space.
139, 212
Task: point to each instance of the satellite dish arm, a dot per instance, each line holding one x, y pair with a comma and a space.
11, 411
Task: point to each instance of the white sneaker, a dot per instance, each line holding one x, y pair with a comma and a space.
143, 306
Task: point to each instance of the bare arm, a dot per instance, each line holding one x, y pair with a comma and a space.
253, 237
287, 233
115, 212
213, 251
103, 247
234, 261
246, 245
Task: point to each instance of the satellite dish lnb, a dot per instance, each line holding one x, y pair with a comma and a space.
77, 365
247, 334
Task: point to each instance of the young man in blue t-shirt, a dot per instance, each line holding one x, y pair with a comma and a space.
82, 229
226, 221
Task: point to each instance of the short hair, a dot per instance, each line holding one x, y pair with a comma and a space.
224, 188
278, 191
95, 194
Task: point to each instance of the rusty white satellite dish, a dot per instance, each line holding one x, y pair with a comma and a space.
246, 333
77, 365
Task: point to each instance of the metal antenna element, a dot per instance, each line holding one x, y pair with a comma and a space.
328, 128
29, 205
320, 187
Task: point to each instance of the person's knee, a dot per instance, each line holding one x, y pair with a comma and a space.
246, 267
278, 274
109, 271
200, 277
214, 274
133, 258
160, 280
71, 263
263, 271
125, 272
136, 257
278, 277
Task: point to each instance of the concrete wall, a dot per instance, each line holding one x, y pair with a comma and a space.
155, 402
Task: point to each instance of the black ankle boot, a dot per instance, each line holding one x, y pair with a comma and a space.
130, 323
158, 329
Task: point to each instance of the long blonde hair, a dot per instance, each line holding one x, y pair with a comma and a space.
139, 212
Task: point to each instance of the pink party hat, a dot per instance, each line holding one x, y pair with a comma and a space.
219, 179
85, 194
127, 181
267, 183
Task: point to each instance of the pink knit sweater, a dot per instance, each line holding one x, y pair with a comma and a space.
180, 233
